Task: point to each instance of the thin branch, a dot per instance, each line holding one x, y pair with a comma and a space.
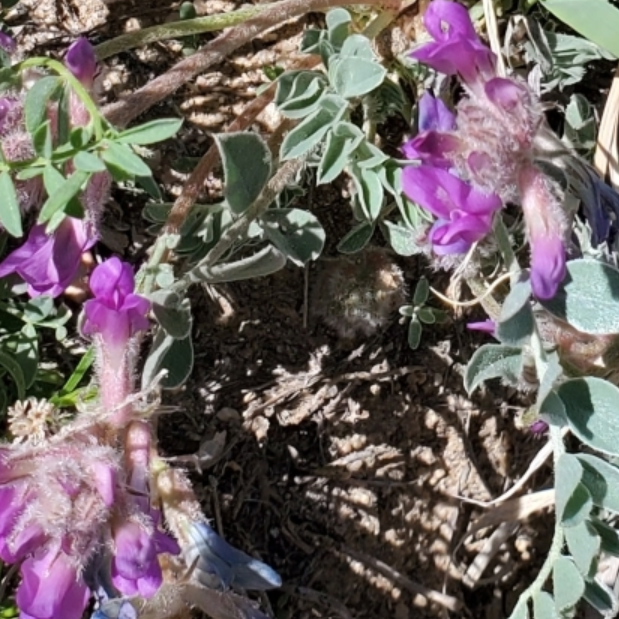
123, 112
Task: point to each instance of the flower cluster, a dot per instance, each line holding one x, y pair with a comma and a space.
78, 502
48, 263
482, 157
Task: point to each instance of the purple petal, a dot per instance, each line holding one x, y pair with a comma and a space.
432, 148
434, 114
547, 265
111, 281
442, 193
505, 93
443, 19
49, 263
105, 479
485, 326
456, 48
135, 567
50, 588
81, 61
7, 43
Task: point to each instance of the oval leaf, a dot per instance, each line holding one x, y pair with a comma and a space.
246, 160
10, 213
492, 361
591, 410
588, 297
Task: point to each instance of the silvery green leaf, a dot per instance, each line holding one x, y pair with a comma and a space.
596, 20
492, 361
568, 584
400, 238
591, 410
544, 606
588, 297
414, 333
308, 134
609, 537
370, 191
516, 323
353, 76
338, 22
304, 94
602, 598
171, 354
573, 501
264, 262
584, 543
246, 161
172, 312
357, 238
602, 481
422, 291
296, 233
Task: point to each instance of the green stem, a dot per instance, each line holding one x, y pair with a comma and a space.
177, 29
558, 538
75, 84
239, 228
145, 279
505, 247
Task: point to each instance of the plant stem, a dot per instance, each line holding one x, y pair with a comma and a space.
214, 52
505, 246
557, 540
177, 29
238, 229
76, 85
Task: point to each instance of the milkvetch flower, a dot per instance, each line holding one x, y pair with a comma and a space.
48, 263
464, 214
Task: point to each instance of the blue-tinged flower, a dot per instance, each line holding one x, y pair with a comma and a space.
220, 565
432, 145
546, 225
51, 587
48, 263
464, 214
456, 49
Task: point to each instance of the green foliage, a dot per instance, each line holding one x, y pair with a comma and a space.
587, 300
419, 313
596, 20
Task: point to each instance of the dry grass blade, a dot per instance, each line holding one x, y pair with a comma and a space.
606, 157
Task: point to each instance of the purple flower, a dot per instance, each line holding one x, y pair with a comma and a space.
456, 48
431, 145
135, 566
538, 427
48, 263
485, 326
50, 588
546, 225
81, 61
464, 213
115, 313
7, 43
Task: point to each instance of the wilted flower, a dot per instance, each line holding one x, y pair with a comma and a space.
220, 565
48, 263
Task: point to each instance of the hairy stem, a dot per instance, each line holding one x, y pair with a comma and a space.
124, 111
238, 229
177, 29
558, 538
